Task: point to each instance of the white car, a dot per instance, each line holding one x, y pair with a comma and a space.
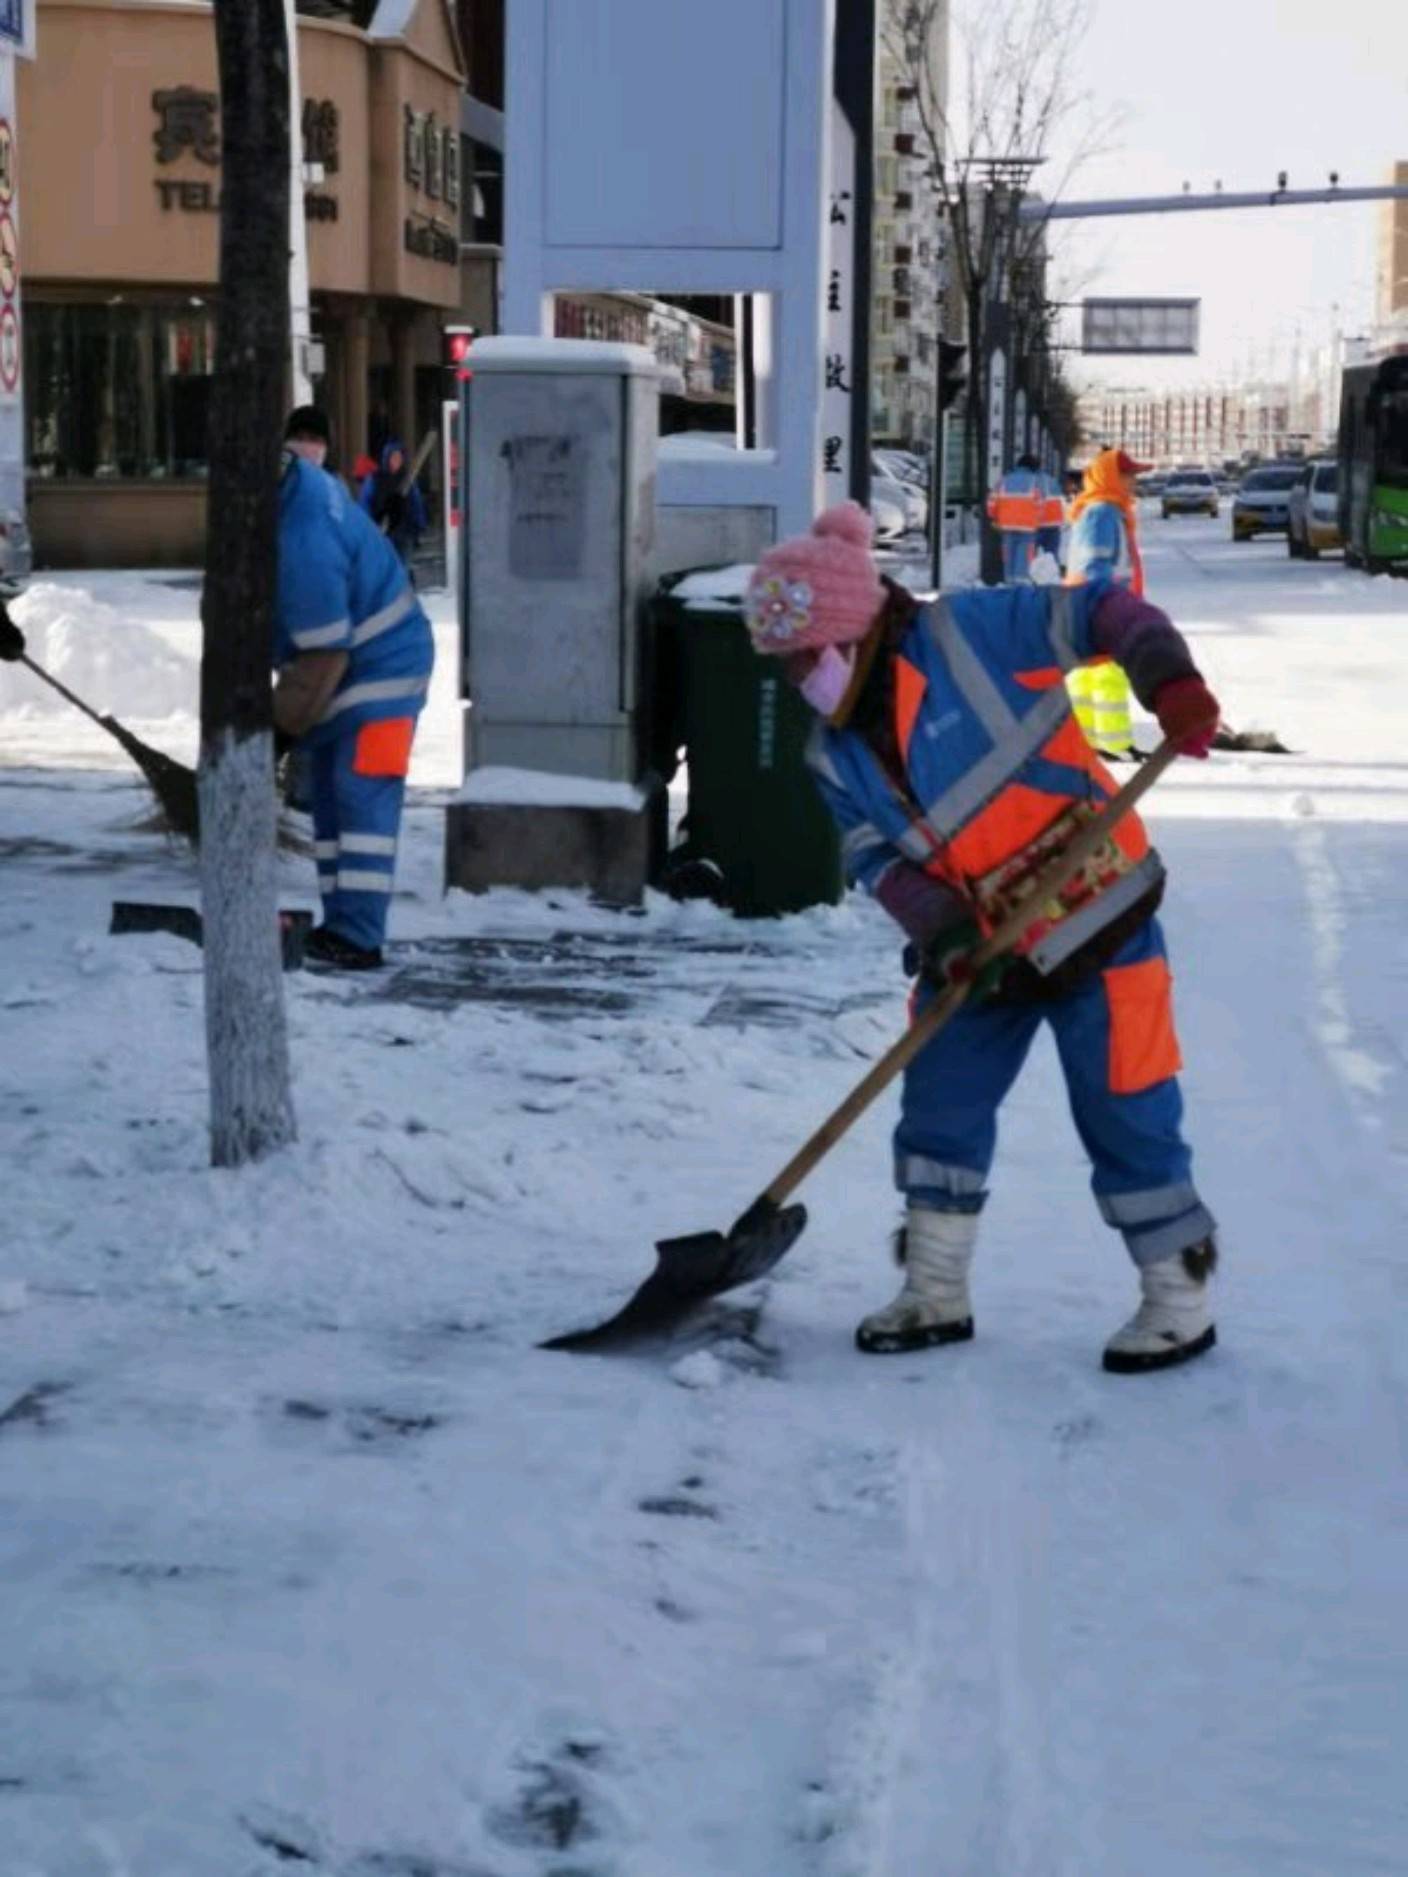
1189, 492
905, 465
912, 502
1313, 511
888, 516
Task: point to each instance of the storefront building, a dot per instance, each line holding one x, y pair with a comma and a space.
121, 127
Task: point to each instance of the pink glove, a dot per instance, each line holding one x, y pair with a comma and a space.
1188, 715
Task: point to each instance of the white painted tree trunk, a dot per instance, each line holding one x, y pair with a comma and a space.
251, 1107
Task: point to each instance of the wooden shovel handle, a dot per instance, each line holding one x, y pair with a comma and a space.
1057, 875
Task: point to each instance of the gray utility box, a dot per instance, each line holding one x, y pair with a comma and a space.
561, 518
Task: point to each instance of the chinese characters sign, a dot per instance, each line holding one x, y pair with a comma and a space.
188, 121
188, 128
838, 315
1142, 327
431, 165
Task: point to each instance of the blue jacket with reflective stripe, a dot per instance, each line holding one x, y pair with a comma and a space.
1099, 544
974, 714
342, 588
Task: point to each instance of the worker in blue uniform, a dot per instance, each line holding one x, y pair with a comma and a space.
354, 653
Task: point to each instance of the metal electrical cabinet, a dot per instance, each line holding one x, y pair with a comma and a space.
560, 527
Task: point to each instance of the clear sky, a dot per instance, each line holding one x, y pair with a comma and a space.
1236, 90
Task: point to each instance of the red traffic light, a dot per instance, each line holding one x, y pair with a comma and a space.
458, 340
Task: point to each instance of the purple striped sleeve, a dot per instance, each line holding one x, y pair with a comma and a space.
921, 904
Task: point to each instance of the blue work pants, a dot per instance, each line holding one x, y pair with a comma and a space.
1114, 1036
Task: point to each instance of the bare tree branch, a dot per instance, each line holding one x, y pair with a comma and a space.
1016, 105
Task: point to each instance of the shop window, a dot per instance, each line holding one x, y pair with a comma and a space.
118, 391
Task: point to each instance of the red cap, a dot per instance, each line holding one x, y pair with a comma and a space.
1128, 467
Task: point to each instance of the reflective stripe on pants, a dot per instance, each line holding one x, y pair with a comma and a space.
1141, 1166
356, 822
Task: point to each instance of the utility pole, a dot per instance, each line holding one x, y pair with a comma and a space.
299, 307
1191, 204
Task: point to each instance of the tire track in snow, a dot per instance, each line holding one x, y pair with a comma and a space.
1364, 1070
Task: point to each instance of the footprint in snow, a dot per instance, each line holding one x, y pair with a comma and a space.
33, 1407
366, 1426
559, 1802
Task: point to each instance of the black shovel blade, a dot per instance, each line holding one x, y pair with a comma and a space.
689, 1271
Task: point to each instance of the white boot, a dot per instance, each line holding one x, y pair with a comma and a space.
1174, 1322
933, 1305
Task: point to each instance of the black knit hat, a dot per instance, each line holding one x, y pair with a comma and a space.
307, 421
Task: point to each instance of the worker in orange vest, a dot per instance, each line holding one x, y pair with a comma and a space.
948, 755
1053, 518
1016, 506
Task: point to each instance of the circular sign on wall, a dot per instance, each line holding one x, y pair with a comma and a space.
9, 348
9, 256
7, 162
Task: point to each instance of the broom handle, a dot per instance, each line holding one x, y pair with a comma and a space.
64, 691
1061, 871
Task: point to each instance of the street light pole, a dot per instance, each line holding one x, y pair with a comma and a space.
300, 311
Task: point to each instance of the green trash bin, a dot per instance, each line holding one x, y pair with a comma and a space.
754, 811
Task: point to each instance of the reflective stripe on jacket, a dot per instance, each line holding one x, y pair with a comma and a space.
342, 588
1102, 543
1017, 500
991, 751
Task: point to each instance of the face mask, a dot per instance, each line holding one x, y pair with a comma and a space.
826, 684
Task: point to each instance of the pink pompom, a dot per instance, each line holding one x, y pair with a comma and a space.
848, 522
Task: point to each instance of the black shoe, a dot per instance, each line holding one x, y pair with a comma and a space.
322, 947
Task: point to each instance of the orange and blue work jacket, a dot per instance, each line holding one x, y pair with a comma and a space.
1018, 501
992, 756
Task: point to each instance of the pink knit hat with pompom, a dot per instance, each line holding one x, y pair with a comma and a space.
816, 589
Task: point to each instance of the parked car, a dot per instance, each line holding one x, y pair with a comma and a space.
16, 555
1260, 505
1313, 518
1151, 485
1189, 492
888, 516
911, 501
905, 465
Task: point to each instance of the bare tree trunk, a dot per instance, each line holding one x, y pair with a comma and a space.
251, 1109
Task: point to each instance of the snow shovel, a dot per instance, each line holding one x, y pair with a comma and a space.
701, 1265
172, 783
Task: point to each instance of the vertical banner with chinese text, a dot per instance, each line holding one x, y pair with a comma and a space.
11, 346
845, 383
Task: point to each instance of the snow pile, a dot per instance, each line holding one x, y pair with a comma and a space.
114, 663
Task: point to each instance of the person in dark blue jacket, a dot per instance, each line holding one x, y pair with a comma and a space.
394, 502
354, 653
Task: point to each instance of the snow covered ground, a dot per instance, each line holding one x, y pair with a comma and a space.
312, 1560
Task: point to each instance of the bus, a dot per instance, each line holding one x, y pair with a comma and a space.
1373, 455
